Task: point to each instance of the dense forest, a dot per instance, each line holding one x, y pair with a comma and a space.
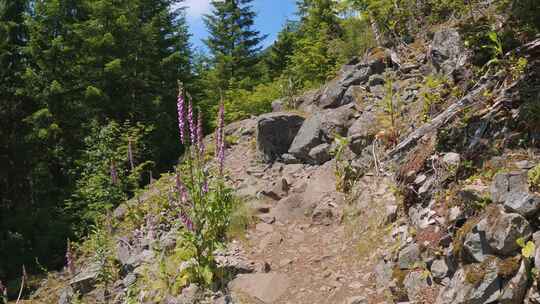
89, 88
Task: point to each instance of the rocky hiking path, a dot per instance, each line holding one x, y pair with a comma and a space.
310, 244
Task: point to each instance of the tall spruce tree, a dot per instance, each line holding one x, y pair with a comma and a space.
233, 43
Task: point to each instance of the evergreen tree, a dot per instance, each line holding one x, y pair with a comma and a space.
314, 60
68, 68
29, 226
278, 56
233, 44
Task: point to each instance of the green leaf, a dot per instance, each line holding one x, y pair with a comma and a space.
528, 250
207, 274
493, 37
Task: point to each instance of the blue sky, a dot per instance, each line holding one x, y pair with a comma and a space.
271, 15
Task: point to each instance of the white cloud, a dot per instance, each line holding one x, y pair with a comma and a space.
197, 8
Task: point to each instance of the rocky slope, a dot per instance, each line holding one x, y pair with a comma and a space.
403, 179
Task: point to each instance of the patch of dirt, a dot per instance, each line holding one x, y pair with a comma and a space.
328, 261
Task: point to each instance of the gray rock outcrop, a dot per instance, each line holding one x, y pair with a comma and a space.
275, 133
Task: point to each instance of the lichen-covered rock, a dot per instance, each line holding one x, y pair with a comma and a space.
362, 131
475, 245
504, 229
526, 204
408, 256
320, 154
504, 184
320, 128
512, 189
477, 283
448, 53
275, 133
496, 233
352, 74
87, 279
415, 283
515, 289
439, 269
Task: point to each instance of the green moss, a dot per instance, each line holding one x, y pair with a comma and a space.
459, 239
231, 140
398, 275
475, 273
508, 267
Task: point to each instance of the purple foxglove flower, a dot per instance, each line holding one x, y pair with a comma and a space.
181, 119
191, 122
186, 221
205, 185
114, 173
200, 140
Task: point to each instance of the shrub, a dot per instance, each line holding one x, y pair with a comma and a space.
534, 178
241, 103
110, 170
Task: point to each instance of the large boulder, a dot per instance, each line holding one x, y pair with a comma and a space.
474, 283
516, 287
275, 133
321, 128
363, 130
351, 74
512, 189
504, 229
496, 233
309, 136
504, 184
86, 280
448, 52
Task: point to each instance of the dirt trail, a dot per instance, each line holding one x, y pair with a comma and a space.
319, 245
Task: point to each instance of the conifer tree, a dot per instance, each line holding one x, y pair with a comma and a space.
314, 60
278, 56
233, 43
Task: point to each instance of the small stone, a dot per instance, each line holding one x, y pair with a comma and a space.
420, 179
526, 204
268, 219
414, 283
263, 267
451, 159
408, 256
439, 269
391, 213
